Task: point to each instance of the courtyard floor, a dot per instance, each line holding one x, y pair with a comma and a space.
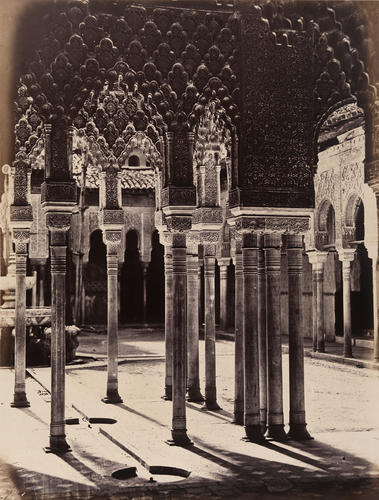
342, 413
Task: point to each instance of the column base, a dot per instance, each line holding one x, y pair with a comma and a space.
167, 393
211, 406
348, 354
254, 434
58, 445
194, 395
238, 417
263, 427
298, 432
20, 401
276, 432
112, 397
320, 348
179, 438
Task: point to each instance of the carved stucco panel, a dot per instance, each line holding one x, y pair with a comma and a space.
39, 240
352, 182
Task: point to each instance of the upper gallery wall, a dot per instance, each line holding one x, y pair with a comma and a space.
275, 70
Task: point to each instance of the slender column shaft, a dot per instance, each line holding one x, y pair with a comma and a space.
58, 442
223, 295
262, 338
274, 345
347, 349
179, 286
20, 399
318, 276
250, 337
314, 312
145, 266
168, 322
34, 289
112, 334
193, 285
296, 342
238, 353
210, 332
78, 288
41, 287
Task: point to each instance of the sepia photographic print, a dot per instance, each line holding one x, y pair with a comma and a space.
189, 198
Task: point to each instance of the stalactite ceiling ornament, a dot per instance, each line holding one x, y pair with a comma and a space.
151, 68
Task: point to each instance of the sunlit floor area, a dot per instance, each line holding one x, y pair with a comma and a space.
121, 450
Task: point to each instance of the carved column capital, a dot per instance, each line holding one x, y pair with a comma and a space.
317, 259
346, 255
112, 239
294, 253
178, 223
58, 221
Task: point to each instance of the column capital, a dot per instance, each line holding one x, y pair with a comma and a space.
58, 220
112, 240
21, 239
346, 255
223, 261
250, 240
272, 240
179, 223
294, 240
317, 258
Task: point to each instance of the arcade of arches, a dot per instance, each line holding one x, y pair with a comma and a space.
191, 163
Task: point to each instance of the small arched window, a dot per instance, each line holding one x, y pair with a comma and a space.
133, 161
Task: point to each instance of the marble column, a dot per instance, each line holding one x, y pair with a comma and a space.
112, 395
272, 244
224, 264
210, 327
193, 285
19, 399
35, 285
179, 328
168, 322
252, 419
318, 259
238, 345
346, 256
145, 267
262, 334
58, 267
297, 421
41, 284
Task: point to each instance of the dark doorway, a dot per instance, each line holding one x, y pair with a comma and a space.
95, 279
131, 285
155, 282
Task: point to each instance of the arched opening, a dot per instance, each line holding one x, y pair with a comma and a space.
330, 226
155, 282
95, 281
133, 161
362, 314
131, 285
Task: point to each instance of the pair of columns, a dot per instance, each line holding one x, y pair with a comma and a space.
318, 260
258, 357
192, 325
